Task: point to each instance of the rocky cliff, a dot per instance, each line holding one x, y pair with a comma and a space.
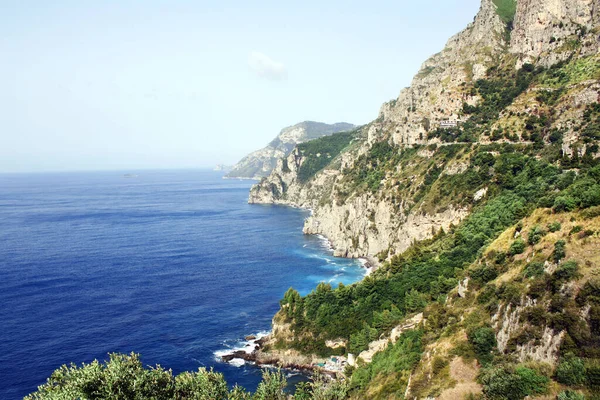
478, 192
387, 220
261, 162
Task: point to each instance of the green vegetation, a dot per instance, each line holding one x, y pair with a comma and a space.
570, 371
509, 256
501, 87
430, 269
568, 73
506, 10
123, 377
535, 235
517, 247
512, 383
570, 395
554, 226
396, 361
483, 340
370, 169
320, 152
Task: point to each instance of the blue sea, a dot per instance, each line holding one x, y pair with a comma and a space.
174, 265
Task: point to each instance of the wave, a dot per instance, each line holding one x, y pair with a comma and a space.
244, 345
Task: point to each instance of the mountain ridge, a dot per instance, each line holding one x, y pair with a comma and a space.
260, 163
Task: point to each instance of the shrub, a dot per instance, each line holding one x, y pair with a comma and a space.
537, 289
592, 372
570, 371
124, 377
535, 235
484, 273
535, 315
510, 293
271, 387
533, 269
517, 247
570, 395
487, 294
554, 226
360, 341
564, 203
566, 271
507, 383
559, 251
590, 213
575, 229
321, 388
438, 364
590, 293
414, 301
483, 340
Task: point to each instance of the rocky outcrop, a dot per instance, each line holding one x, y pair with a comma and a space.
363, 226
547, 32
508, 324
436, 92
366, 226
380, 344
260, 163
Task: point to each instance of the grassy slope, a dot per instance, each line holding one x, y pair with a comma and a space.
506, 9
444, 335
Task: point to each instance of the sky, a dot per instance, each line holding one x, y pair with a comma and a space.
124, 85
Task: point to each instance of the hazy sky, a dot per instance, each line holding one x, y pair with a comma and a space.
169, 84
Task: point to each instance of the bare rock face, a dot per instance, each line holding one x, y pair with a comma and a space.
550, 31
435, 93
507, 324
365, 226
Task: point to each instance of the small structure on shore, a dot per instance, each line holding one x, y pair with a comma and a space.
450, 123
333, 364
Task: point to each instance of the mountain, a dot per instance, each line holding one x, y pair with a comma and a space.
477, 194
260, 163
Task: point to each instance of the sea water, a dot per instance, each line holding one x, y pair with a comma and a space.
174, 265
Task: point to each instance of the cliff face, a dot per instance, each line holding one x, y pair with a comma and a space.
551, 31
261, 162
367, 225
437, 92
387, 220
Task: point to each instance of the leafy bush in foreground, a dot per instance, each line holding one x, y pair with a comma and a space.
123, 377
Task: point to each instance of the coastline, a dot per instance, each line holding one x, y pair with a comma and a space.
251, 352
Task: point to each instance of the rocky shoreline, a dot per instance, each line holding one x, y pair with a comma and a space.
261, 358
254, 352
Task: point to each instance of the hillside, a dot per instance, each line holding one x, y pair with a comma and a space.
482, 171
261, 162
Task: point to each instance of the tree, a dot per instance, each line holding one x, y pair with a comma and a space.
123, 377
271, 387
570, 371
